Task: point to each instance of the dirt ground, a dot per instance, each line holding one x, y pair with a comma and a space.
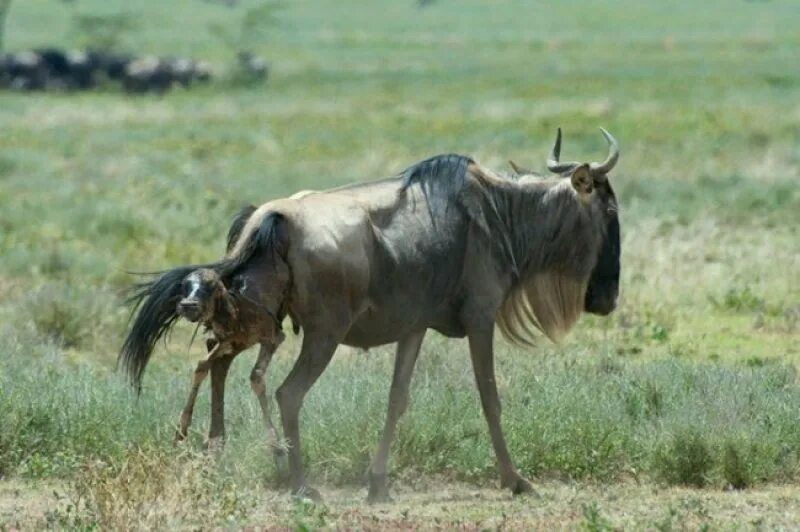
449, 506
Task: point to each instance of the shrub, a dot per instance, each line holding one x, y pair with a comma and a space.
686, 460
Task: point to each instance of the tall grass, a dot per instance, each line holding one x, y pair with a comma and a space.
675, 421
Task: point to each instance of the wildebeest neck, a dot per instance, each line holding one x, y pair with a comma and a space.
553, 240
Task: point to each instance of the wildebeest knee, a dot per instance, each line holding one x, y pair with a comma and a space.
257, 382
256, 375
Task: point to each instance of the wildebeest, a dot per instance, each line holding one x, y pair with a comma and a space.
23, 71
252, 67
56, 69
447, 245
154, 74
237, 318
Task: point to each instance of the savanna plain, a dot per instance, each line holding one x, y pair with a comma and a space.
679, 411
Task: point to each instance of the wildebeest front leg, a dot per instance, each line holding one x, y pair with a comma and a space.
406, 357
260, 389
198, 377
219, 372
314, 358
482, 354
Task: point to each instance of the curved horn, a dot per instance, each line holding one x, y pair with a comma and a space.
519, 170
613, 155
552, 162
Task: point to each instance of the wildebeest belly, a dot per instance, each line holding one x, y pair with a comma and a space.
379, 326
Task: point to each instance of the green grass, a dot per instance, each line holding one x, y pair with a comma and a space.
567, 416
691, 381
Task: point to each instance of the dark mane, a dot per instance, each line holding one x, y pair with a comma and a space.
441, 178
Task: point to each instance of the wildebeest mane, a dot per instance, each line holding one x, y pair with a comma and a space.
155, 302
441, 178
547, 293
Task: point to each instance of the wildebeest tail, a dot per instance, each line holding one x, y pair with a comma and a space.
155, 301
155, 305
237, 226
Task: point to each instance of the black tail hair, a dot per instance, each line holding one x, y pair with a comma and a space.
155, 301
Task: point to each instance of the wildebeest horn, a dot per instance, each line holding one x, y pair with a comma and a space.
552, 162
603, 168
518, 169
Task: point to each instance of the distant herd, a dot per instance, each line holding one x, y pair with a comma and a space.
52, 69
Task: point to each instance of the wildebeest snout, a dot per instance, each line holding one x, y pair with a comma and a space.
190, 309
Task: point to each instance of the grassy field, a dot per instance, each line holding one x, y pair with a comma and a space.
688, 390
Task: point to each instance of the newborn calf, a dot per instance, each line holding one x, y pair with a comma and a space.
236, 318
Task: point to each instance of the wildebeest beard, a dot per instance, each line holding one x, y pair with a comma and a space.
601, 294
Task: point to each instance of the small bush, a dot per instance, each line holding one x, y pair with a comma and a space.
739, 299
686, 460
593, 519
735, 467
70, 317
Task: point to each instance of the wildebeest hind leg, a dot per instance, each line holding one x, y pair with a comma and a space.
260, 390
198, 377
406, 357
314, 358
482, 354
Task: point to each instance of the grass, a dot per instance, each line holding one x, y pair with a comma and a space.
601, 420
691, 383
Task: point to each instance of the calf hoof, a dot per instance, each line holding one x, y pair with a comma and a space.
179, 437
307, 493
378, 489
518, 485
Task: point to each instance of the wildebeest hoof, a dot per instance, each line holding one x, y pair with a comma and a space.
309, 493
215, 444
378, 489
281, 462
518, 485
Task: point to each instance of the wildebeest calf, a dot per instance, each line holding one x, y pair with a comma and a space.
246, 314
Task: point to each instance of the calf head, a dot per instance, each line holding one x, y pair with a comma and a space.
202, 295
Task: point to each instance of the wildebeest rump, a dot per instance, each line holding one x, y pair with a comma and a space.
447, 245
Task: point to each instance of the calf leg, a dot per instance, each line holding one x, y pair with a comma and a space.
198, 377
259, 388
219, 372
482, 354
186, 415
314, 358
406, 357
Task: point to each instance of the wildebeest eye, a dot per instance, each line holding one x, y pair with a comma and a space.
238, 284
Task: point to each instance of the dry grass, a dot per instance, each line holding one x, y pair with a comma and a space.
187, 497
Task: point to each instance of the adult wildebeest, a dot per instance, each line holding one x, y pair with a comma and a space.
446, 245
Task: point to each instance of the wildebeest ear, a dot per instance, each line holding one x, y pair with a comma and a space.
518, 169
582, 179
